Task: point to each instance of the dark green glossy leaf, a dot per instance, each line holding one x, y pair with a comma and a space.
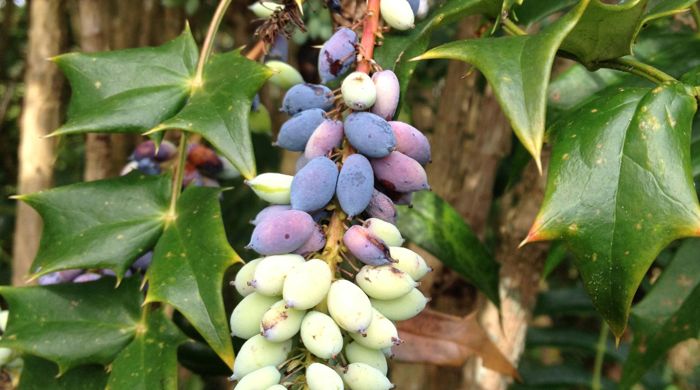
518, 69
99, 224
150, 361
619, 189
128, 90
667, 315
398, 48
219, 108
189, 262
41, 374
567, 338
436, 227
199, 358
695, 153
605, 31
661, 8
73, 324
564, 301
533, 11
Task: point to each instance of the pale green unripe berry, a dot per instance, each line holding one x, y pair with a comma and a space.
357, 353
360, 376
403, 308
257, 353
409, 262
4, 315
386, 231
382, 333
271, 271
6, 355
285, 75
384, 281
246, 316
321, 335
272, 187
276, 387
264, 9
244, 277
349, 306
359, 92
281, 323
306, 285
259, 379
397, 14
321, 377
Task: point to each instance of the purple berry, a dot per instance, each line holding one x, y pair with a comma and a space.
87, 277
382, 207
327, 136
147, 149
204, 160
415, 4
400, 173
314, 185
355, 184
388, 92
282, 233
314, 244
411, 142
295, 132
365, 246
307, 96
60, 276
370, 134
148, 166
337, 54
144, 261
279, 49
270, 211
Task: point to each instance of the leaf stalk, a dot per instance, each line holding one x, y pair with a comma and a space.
636, 67
599, 356
512, 28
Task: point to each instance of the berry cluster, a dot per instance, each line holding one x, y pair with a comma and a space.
319, 304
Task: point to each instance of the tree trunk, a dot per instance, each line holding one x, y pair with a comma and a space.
41, 114
94, 36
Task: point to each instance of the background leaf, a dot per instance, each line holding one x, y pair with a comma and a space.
518, 69
667, 315
150, 361
99, 224
436, 227
619, 189
72, 324
128, 90
219, 109
188, 267
399, 47
38, 373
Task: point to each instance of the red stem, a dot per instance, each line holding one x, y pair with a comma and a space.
369, 34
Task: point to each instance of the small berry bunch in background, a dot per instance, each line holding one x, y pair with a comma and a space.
203, 168
320, 303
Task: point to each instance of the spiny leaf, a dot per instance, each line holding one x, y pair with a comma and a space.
128, 90
72, 324
533, 11
38, 373
398, 48
605, 31
661, 8
219, 108
99, 224
188, 267
620, 189
668, 314
150, 361
518, 69
435, 226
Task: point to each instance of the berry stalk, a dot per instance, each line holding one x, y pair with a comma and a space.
369, 36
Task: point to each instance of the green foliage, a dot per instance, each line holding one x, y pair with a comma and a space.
38, 373
100, 224
619, 189
189, 264
667, 315
438, 228
518, 69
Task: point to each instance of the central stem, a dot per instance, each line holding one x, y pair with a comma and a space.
369, 36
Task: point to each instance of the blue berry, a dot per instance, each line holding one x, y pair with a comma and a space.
370, 134
306, 96
295, 132
337, 54
314, 185
355, 184
282, 233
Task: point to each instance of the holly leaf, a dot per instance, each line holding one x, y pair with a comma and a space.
438, 228
620, 189
533, 11
99, 224
219, 108
518, 69
605, 31
128, 90
150, 361
667, 315
72, 324
662, 8
38, 373
398, 48
188, 266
